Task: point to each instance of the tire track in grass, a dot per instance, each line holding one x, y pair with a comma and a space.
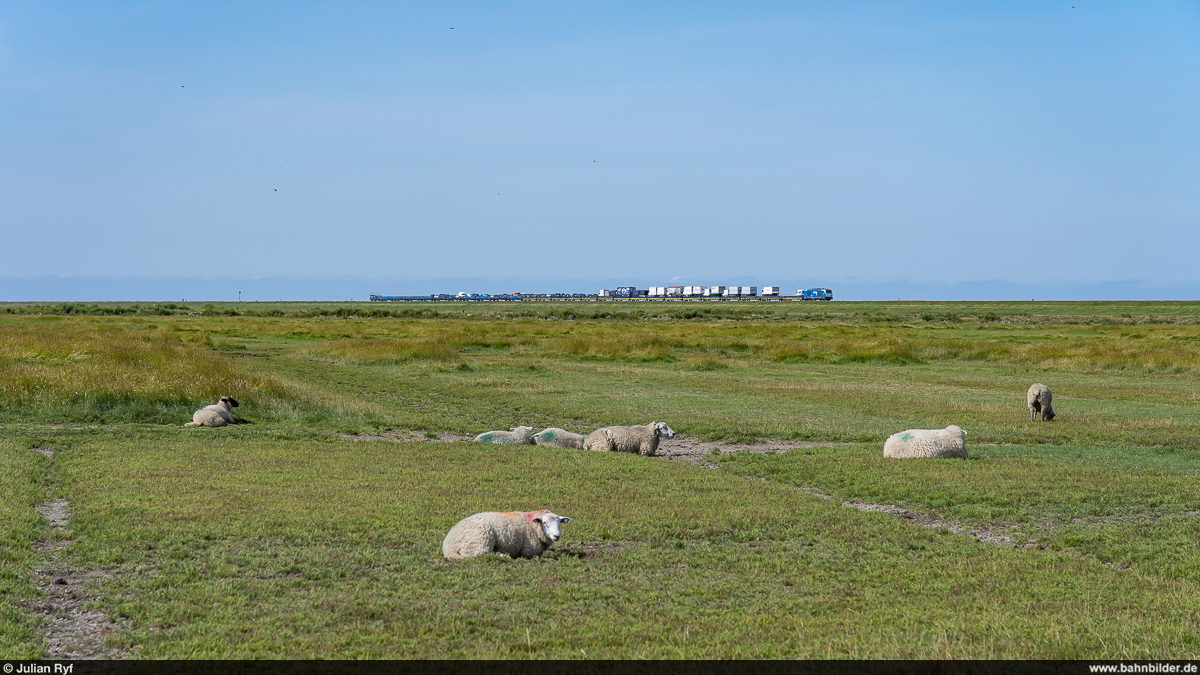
694, 452
986, 535
69, 628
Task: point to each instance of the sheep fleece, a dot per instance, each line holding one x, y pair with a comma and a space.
512, 533
558, 438
1039, 399
950, 442
518, 436
642, 439
208, 417
216, 415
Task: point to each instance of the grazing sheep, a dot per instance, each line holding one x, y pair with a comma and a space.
557, 438
517, 534
515, 435
917, 443
1038, 398
642, 439
217, 415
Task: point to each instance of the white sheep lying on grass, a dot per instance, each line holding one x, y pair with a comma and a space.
1039, 398
517, 534
558, 438
917, 443
217, 415
642, 439
515, 435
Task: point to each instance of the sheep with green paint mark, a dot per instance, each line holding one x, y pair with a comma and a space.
950, 442
514, 436
558, 438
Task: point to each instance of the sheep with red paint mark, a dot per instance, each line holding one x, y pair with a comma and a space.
516, 534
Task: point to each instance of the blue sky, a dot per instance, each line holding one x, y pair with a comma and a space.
568, 145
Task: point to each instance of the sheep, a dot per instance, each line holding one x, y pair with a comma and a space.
557, 438
515, 435
217, 415
517, 534
916, 443
642, 439
1038, 398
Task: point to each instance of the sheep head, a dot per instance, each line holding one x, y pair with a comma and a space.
663, 430
550, 524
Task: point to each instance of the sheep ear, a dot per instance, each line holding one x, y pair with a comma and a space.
564, 520
537, 519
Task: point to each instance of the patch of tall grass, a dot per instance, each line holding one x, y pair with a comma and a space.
1149, 349
81, 372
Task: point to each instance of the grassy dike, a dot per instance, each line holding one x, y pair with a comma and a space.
283, 538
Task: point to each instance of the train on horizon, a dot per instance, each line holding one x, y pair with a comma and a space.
627, 293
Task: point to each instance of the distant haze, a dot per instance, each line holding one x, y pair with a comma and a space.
52, 289
307, 151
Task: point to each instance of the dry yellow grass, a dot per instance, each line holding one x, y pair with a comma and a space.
62, 362
1154, 349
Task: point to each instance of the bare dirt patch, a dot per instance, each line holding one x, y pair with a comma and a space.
70, 630
58, 512
696, 451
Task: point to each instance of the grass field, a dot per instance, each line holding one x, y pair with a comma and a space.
283, 537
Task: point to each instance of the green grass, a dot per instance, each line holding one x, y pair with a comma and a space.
22, 475
1058, 497
278, 538
243, 548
